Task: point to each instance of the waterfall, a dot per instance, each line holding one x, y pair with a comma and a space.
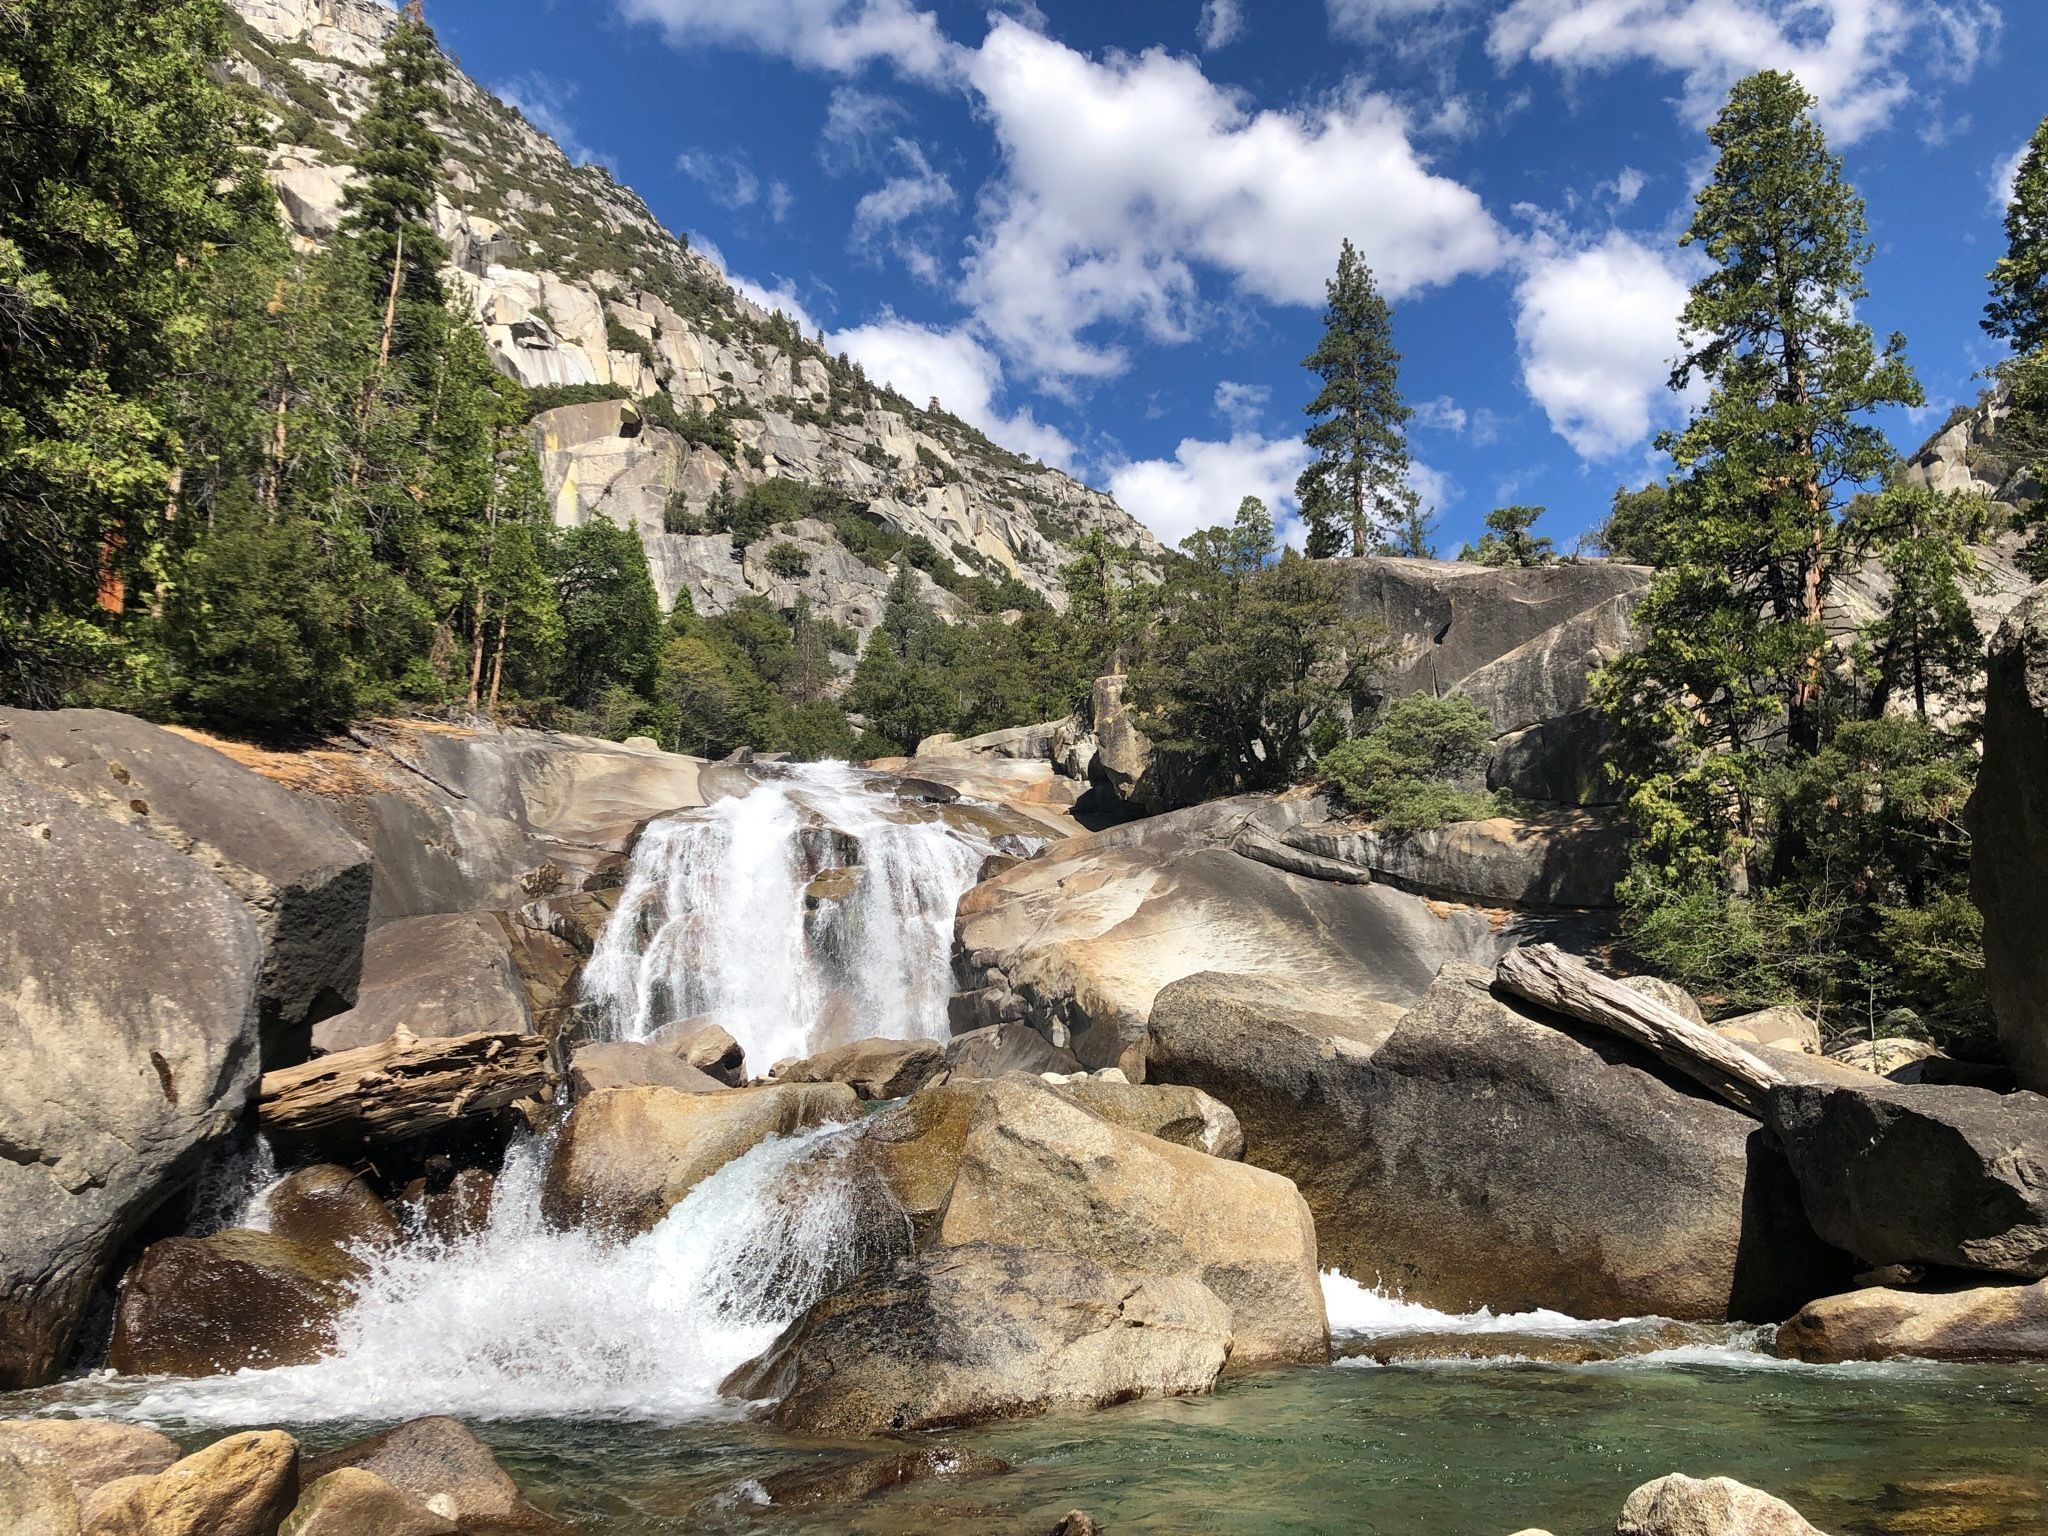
522, 1320
720, 917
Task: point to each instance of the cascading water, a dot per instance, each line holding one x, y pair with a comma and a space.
719, 918
522, 1320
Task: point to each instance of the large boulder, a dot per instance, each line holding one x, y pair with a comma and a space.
1569, 859
352, 1502
1989, 1322
1917, 1174
2008, 821
90, 1452
128, 1044
971, 1334
1185, 1116
234, 1300
303, 878
1472, 1157
875, 1069
1783, 1028
999, 1049
328, 1206
445, 974
35, 1493
603, 1064
1715, 1506
626, 1155
1038, 1171
436, 1462
244, 1485
1087, 934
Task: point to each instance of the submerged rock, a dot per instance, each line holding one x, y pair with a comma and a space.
352, 1502
848, 1482
437, 1463
1992, 1322
1717, 1506
626, 1155
128, 1045
1039, 1172
971, 1334
1922, 1175
200, 1306
1474, 1157
243, 1485
875, 1068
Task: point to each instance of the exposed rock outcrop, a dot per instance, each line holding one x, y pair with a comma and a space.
128, 1043
2008, 821
441, 975
1085, 935
303, 878
90, 1452
1917, 1174
603, 1064
875, 1068
1569, 859
1470, 1156
970, 1334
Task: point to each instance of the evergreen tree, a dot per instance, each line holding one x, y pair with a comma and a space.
2018, 311
1413, 535
1508, 540
1925, 642
611, 617
390, 206
1730, 665
116, 145
1638, 527
1357, 490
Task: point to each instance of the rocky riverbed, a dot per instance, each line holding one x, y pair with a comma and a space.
752, 1147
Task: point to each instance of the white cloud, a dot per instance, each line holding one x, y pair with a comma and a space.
924, 362
1242, 404
782, 296
726, 179
1628, 185
544, 102
1854, 55
1201, 485
1598, 333
1221, 25
859, 125
1443, 414
882, 216
1121, 175
1369, 21
2005, 177
837, 36
780, 200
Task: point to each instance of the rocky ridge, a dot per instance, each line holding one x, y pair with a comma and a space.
576, 283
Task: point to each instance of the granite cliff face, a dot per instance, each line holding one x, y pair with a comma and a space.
575, 282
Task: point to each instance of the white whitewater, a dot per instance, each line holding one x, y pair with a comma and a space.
713, 920
524, 1321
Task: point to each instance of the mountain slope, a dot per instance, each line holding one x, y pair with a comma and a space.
581, 290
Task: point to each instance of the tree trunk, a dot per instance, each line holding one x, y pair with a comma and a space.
498, 666
1546, 975
399, 1088
476, 648
355, 473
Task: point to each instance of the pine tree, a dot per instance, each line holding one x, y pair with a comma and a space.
390, 207
1508, 540
1730, 665
1357, 490
116, 142
2018, 310
1413, 537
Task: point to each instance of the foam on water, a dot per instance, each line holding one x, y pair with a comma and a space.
713, 919
522, 1320
1355, 1309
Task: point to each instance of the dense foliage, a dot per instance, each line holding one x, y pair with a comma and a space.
1416, 766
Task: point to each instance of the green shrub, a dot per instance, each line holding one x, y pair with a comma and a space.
623, 338
789, 561
1403, 773
551, 396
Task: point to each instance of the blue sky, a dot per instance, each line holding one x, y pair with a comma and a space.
1099, 228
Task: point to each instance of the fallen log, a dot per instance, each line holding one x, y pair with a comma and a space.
400, 1088
1546, 975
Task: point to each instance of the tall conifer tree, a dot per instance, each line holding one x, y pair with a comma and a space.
2018, 310
1356, 493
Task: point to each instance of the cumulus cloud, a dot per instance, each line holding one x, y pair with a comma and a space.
1120, 175
1201, 485
1856, 56
1242, 404
1221, 25
924, 362
1597, 327
837, 36
2005, 176
1628, 185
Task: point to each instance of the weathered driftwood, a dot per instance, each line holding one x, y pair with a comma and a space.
400, 1088
1545, 974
